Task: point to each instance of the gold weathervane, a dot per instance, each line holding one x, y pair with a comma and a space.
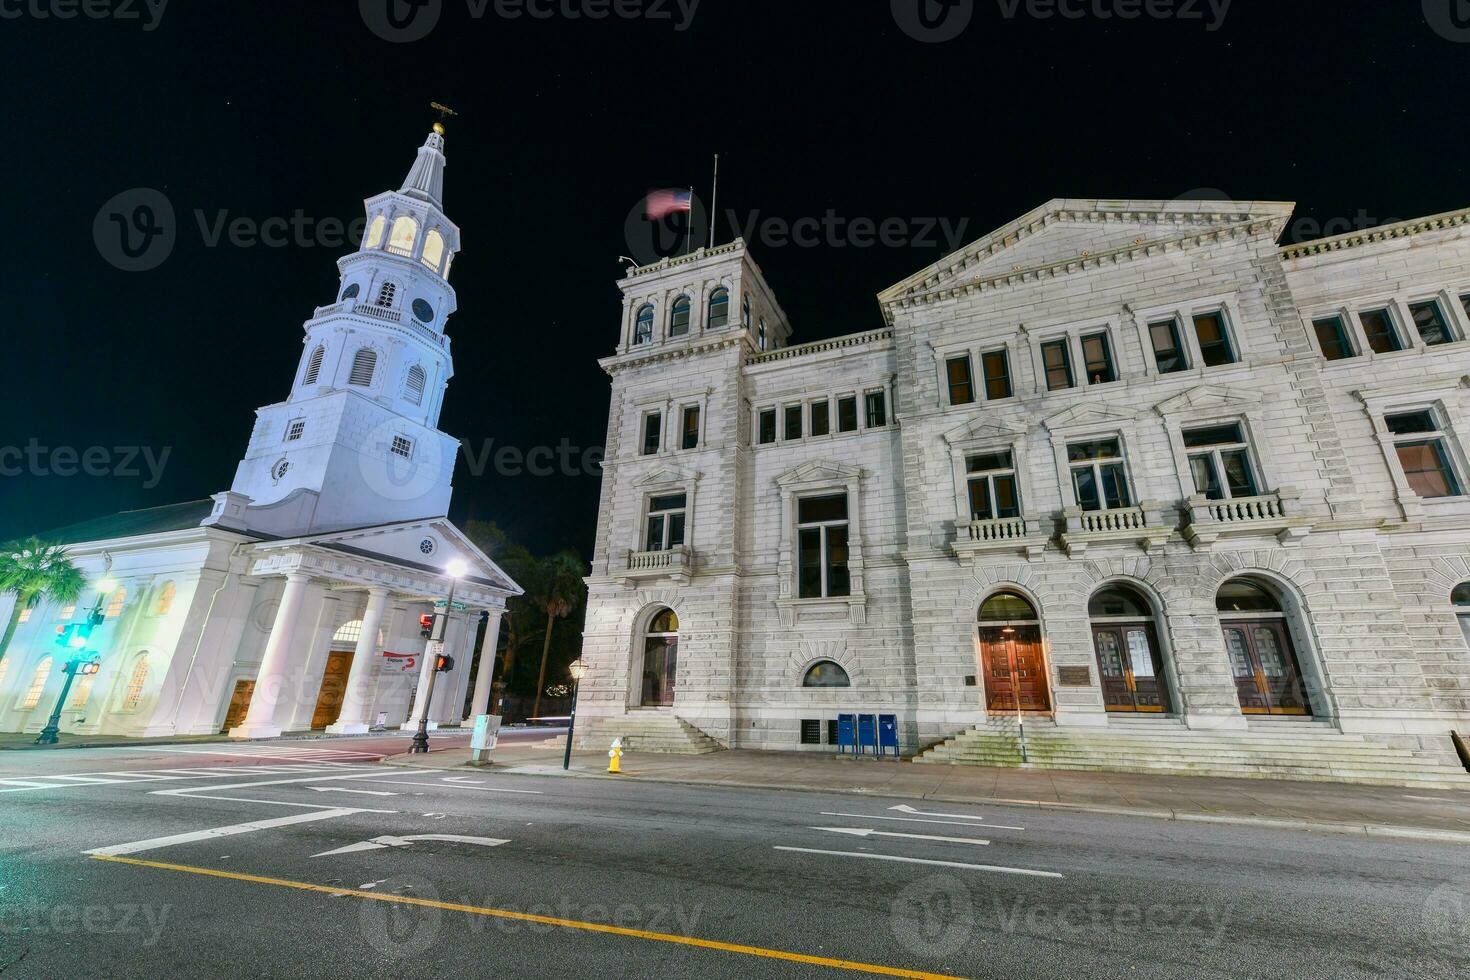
444, 113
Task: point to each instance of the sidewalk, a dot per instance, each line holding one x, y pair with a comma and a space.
17, 741
1383, 811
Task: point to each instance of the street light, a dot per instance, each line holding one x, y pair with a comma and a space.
456, 570
578, 670
75, 638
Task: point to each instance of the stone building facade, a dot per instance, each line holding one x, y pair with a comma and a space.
1118, 464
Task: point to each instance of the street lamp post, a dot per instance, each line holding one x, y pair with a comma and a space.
456, 571
577, 669
81, 666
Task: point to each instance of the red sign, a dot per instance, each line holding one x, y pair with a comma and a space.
400, 663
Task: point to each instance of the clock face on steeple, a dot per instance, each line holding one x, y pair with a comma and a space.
423, 311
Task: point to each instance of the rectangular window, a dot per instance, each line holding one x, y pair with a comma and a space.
766, 433
1430, 322
690, 439
1214, 341
847, 413
1097, 354
295, 429
822, 543
877, 409
997, 367
1382, 337
1098, 476
992, 485
1420, 444
821, 418
1168, 349
961, 384
1332, 337
402, 447
793, 422
666, 517
1465, 302
1220, 461
1057, 363
652, 432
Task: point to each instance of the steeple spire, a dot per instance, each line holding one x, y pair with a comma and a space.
426, 180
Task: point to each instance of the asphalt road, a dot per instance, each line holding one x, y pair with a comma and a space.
311, 859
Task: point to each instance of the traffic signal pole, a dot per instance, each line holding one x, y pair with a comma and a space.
50, 735
441, 627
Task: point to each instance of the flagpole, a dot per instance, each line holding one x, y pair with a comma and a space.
689, 225
714, 203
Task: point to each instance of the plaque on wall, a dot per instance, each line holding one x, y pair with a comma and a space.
1074, 677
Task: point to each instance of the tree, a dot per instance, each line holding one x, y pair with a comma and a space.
557, 589
32, 570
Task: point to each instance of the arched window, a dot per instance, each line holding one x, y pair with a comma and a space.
1008, 607
679, 317
643, 327
81, 691
38, 684
401, 238
745, 312
1118, 600
1260, 650
760, 335
137, 680
1244, 596
413, 389
116, 602
364, 364
386, 293
1461, 598
433, 249
165, 601
719, 309
314, 366
825, 673
375, 232
348, 632
660, 659
351, 292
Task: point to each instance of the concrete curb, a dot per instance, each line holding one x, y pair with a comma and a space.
134, 743
1180, 816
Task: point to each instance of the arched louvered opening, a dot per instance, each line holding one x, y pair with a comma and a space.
413, 388
386, 293
314, 366
401, 238
375, 231
364, 364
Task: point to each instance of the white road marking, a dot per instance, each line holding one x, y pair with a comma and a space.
479, 789
861, 832
125, 777
905, 808
388, 840
942, 864
942, 823
1430, 799
344, 789
214, 832
207, 792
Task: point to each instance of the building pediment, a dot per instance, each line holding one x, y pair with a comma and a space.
671, 476
983, 430
1086, 416
819, 471
1208, 398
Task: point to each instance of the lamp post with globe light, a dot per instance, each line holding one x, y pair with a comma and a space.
578, 670
456, 570
74, 637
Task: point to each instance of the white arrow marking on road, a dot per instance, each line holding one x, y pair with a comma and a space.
905, 808
942, 864
860, 832
388, 840
214, 832
344, 789
942, 823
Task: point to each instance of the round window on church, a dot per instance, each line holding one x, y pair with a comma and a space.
279, 471
423, 311
427, 546
351, 292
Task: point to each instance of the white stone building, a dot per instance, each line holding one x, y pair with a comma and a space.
1127, 471
293, 600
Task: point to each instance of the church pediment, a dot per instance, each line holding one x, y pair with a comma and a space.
1208, 398
1085, 416
982, 430
819, 471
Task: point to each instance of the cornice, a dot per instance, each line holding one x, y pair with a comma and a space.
1357, 239
663, 355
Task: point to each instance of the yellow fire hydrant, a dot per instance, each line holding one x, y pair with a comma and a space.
615, 756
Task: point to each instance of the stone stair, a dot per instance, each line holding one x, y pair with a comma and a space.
1269, 749
645, 730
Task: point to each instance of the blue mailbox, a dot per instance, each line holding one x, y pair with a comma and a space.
867, 734
847, 734
888, 734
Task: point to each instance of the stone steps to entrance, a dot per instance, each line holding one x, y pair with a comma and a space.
648, 731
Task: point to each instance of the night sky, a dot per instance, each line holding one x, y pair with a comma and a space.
257, 110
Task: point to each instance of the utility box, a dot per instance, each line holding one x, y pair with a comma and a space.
484, 737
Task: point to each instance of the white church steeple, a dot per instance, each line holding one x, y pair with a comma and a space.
356, 442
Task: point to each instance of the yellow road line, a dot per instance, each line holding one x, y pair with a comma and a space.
660, 937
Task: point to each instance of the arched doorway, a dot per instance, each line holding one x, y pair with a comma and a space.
660, 659
1010, 654
1125, 638
1268, 678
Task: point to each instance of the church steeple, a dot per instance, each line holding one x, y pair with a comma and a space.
426, 180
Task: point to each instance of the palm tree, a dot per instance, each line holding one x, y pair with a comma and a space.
32, 570
557, 590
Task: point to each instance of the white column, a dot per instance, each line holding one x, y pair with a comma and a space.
448, 689
486, 671
352, 720
260, 720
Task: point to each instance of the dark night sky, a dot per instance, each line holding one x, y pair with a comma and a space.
1353, 109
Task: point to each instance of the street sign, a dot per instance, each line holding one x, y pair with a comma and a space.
400, 663
458, 606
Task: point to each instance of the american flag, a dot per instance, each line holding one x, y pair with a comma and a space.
661, 204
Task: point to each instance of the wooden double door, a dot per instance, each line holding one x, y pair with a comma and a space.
1015, 671
333, 690
1130, 668
1268, 679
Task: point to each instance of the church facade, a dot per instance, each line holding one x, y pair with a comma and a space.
1129, 473
293, 600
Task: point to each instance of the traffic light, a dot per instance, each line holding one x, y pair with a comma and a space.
90, 667
73, 636
426, 625
443, 663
